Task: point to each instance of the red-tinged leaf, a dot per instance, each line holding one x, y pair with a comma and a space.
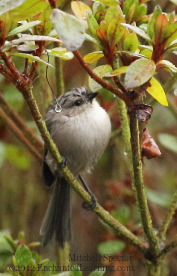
139, 72
115, 31
101, 34
141, 112
112, 12
151, 23
160, 26
149, 146
170, 34
93, 25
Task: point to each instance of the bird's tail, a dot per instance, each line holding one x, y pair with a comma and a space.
57, 217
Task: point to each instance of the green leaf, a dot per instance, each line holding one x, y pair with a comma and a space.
23, 255
138, 31
168, 141
45, 26
151, 23
128, 4
111, 247
160, 198
29, 38
90, 38
131, 42
16, 156
31, 57
25, 26
167, 65
117, 72
70, 30
27, 48
140, 11
93, 25
5, 247
28, 9
109, 2
7, 5
113, 12
157, 92
115, 31
92, 57
170, 34
122, 214
139, 72
100, 71
61, 52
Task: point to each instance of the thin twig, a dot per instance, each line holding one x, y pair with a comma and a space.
30, 135
163, 229
104, 215
167, 249
104, 84
16, 131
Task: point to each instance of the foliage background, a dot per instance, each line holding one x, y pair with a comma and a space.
23, 197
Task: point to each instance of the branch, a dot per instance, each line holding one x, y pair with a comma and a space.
122, 231
20, 135
104, 84
139, 185
21, 124
168, 248
163, 229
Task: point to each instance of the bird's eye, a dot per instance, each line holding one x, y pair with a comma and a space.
78, 102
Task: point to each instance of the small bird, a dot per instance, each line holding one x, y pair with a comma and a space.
81, 129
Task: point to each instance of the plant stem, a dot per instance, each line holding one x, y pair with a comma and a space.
60, 87
17, 132
121, 231
29, 134
163, 229
125, 130
104, 84
153, 268
139, 185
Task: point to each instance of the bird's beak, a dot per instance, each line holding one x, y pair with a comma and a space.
91, 96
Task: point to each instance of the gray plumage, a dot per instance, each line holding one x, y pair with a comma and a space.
81, 131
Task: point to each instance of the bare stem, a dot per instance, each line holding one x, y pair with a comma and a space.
139, 185
19, 134
104, 84
29, 134
163, 229
104, 215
